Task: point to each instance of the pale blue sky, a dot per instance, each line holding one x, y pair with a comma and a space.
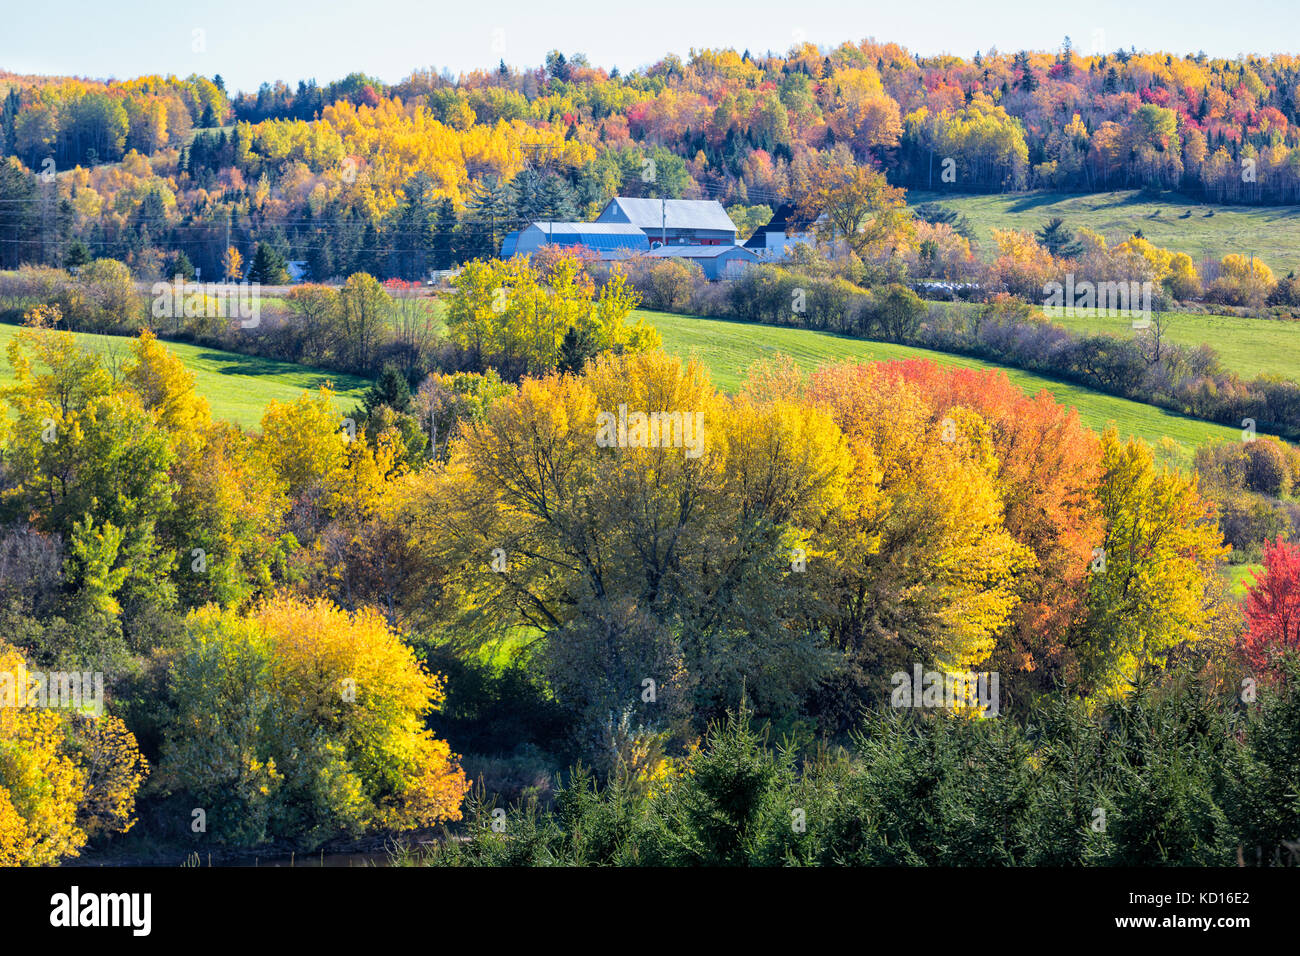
248, 41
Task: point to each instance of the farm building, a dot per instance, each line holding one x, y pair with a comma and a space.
673, 222
607, 240
717, 262
785, 229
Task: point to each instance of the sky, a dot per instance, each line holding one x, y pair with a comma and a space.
251, 41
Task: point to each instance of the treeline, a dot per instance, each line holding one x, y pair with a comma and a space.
814, 293
1176, 775
744, 123
358, 328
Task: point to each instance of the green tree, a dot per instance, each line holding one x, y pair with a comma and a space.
268, 267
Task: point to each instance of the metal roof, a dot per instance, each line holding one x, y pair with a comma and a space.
597, 236
590, 228
650, 214
698, 252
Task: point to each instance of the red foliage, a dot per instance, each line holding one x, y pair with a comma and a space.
1273, 606
1048, 467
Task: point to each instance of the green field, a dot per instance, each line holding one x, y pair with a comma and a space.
1241, 576
237, 387
1247, 346
1270, 232
728, 348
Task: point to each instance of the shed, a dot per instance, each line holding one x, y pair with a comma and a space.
717, 262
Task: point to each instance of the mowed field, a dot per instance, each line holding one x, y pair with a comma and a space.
1247, 346
729, 348
1271, 233
237, 387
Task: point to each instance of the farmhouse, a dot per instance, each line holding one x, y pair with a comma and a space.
785, 230
717, 262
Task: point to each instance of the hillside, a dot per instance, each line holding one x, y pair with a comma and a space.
728, 348
238, 387
1211, 231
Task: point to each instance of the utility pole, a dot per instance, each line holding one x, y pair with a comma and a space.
663, 221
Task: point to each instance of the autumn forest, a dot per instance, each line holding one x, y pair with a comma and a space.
331, 524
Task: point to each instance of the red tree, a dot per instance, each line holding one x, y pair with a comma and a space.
1048, 467
1273, 606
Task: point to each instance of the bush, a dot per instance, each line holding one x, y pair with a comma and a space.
65, 777
301, 720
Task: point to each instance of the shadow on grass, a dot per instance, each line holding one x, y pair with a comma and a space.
299, 376
1038, 201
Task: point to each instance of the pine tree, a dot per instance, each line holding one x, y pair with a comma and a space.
182, 266
269, 267
575, 349
77, 255
391, 390
1059, 240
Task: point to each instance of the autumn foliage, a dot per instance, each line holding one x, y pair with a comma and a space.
1273, 607
300, 718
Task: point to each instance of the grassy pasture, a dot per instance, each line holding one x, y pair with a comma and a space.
237, 387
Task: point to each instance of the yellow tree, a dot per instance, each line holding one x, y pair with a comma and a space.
859, 207
64, 777
550, 511
1149, 584
301, 718
232, 264
927, 571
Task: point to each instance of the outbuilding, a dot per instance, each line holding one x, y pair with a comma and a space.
607, 240
717, 262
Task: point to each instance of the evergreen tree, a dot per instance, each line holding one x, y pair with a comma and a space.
19, 225
391, 390
181, 266
415, 236
490, 205
575, 350
76, 255
1059, 240
444, 235
269, 267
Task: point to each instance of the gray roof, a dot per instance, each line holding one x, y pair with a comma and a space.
681, 213
698, 252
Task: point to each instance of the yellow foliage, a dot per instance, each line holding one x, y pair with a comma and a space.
63, 778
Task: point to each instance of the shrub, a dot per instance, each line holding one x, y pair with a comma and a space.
301, 720
65, 777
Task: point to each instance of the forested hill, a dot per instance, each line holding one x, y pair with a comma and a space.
333, 168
